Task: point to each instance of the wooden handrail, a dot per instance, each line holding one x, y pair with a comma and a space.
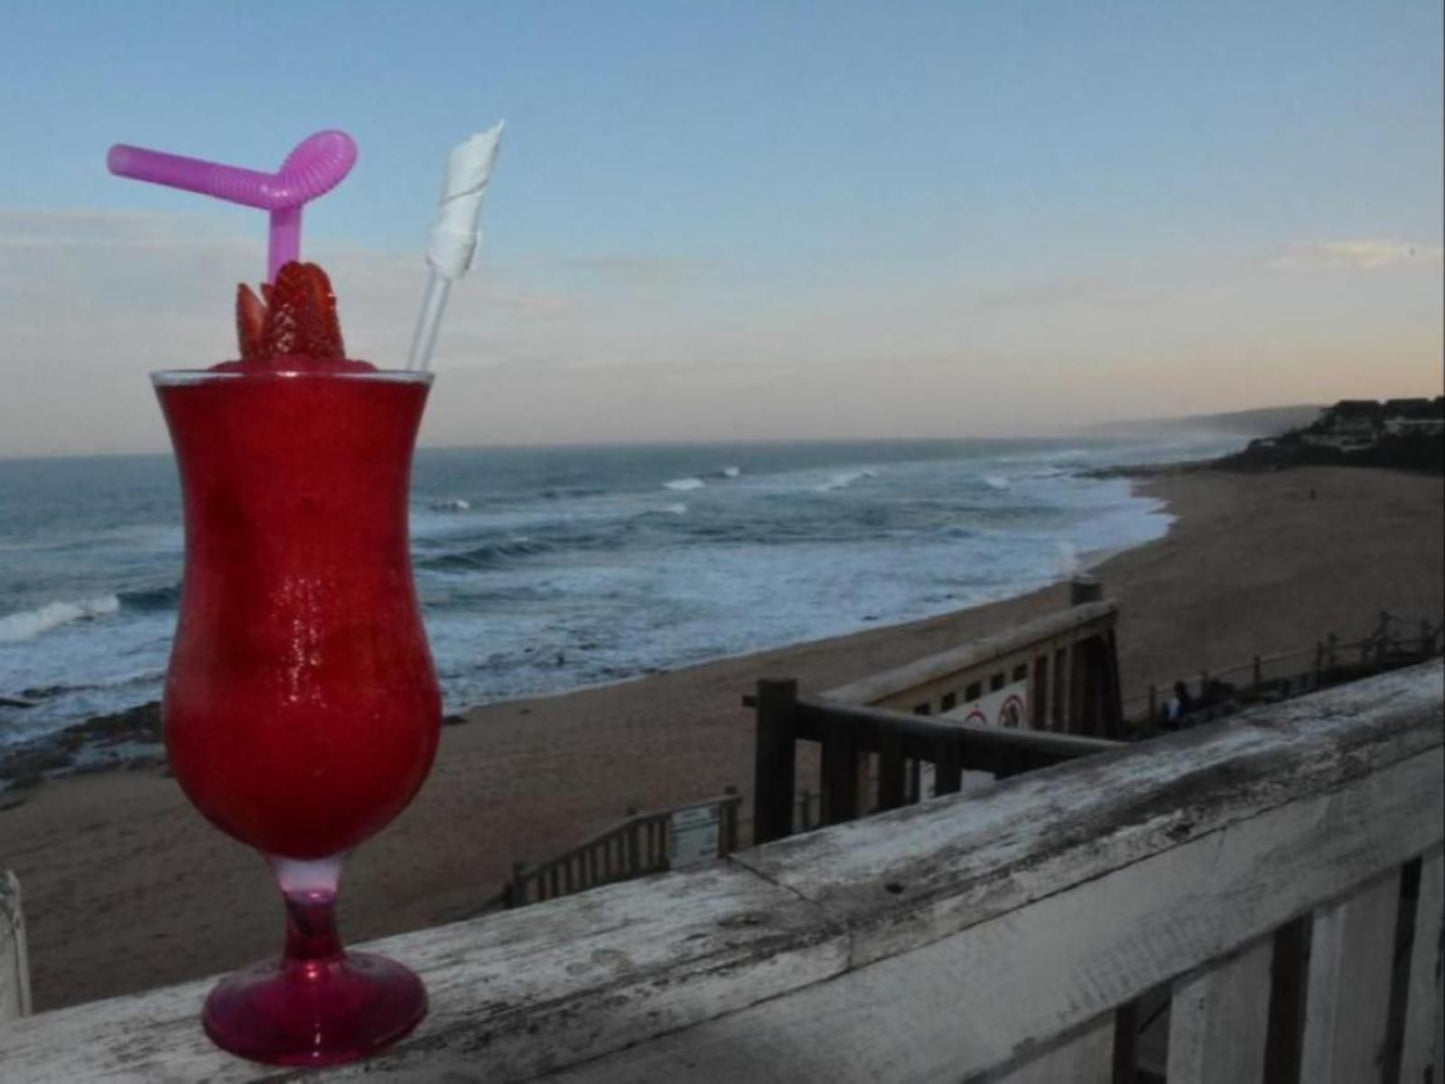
921, 734
964, 938
1074, 621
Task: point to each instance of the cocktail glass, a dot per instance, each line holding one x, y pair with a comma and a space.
301, 708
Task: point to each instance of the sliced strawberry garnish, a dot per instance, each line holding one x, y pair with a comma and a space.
250, 319
322, 327
301, 315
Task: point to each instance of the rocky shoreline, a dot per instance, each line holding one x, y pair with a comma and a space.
129, 739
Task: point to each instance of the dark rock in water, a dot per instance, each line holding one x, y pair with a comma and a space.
141, 723
29, 762
17, 702
42, 692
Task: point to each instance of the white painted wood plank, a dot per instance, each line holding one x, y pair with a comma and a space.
14, 967
1218, 1018
959, 860
1020, 914
977, 1000
1076, 622
1085, 1058
513, 994
1423, 1022
1348, 992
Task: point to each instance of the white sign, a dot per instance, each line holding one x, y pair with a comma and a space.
692, 835
1007, 707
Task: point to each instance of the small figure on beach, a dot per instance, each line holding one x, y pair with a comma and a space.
1177, 707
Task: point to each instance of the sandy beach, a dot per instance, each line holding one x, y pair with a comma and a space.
125, 887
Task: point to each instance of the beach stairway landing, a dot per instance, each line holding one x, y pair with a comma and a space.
1276, 877
1028, 697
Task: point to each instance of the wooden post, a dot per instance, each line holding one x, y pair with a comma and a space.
1113, 709
805, 808
1258, 675
1286, 1002
1083, 657
14, 967
1059, 694
1153, 709
1126, 1043
948, 768
915, 780
1427, 641
1319, 664
892, 780
1330, 643
1039, 709
774, 763
517, 890
730, 822
840, 774
631, 858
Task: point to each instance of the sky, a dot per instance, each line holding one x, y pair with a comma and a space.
736, 221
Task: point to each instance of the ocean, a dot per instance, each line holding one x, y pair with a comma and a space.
547, 569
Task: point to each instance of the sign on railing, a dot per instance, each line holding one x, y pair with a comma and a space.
693, 835
1007, 707
645, 843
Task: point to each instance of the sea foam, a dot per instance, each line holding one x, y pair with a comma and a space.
28, 624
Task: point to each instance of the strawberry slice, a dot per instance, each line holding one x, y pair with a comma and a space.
323, 327
301, 315
250, 319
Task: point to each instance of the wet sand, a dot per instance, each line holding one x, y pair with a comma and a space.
125, 887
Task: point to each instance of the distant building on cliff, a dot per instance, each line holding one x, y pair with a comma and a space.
1407, 433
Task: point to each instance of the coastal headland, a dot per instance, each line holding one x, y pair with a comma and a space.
126, 887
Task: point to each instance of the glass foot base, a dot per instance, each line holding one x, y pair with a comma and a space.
314, 1012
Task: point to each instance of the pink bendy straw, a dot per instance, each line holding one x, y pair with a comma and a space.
315, 167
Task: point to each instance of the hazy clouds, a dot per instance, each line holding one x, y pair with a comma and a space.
640, 347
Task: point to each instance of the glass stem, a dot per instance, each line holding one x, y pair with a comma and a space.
309, 890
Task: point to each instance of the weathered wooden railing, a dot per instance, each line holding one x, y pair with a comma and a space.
1066, 661
640, 845
1268, 678
1256, 869
14, 967
872, 757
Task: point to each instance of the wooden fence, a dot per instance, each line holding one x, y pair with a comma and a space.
1067, 660
638, 846
1270, 678
14, 968
869, 745
1277, 875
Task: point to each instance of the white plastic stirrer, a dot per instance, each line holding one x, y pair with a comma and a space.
456, 234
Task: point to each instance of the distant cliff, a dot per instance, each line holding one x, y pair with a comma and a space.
1406, 434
